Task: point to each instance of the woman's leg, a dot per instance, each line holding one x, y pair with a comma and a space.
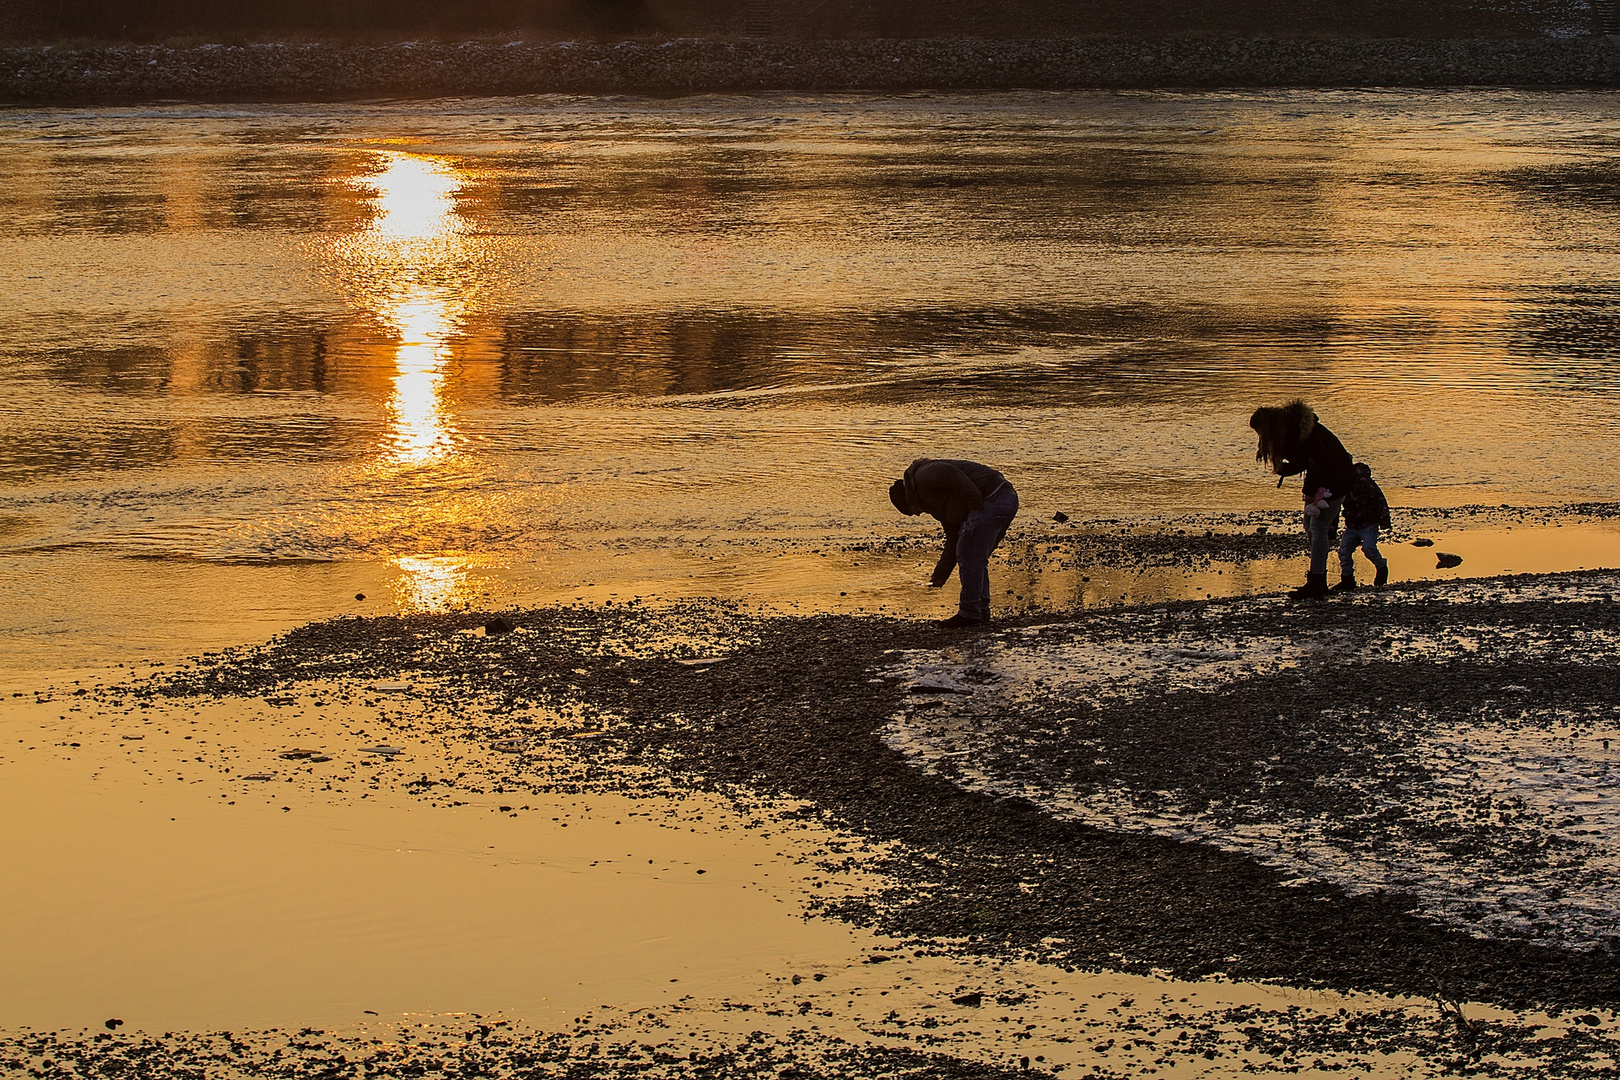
1324, 530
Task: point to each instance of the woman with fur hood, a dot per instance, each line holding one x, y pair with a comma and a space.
1293, 441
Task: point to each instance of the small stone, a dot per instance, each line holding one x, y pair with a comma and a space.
1421, 542
1060, 517
499, 625
114, 1024
359, 596
972, 1001
1446, 561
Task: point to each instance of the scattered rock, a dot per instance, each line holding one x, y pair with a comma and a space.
359, 596
1422, 542
1060, 517
500, 624
1446, 561
972, 1001
113, 1024
391, 687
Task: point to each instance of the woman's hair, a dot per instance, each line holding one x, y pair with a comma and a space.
1281, 430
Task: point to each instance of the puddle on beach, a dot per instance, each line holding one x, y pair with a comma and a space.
163, 885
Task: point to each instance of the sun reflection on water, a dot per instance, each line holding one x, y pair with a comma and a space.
430, 584
414, 235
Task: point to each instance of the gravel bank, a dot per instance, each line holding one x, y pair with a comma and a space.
323, 72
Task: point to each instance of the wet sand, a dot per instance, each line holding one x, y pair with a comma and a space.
905, 865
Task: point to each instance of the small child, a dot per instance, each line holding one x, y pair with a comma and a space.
1365, 512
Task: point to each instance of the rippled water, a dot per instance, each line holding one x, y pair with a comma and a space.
426, 345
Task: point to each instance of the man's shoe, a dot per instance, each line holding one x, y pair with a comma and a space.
1382, 577
1315, 587
959, 619
1345, 585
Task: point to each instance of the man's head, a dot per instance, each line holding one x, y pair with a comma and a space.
897, 495
1364, 471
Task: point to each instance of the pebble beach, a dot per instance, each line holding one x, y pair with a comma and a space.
326, 72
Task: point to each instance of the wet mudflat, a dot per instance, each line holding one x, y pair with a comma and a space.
1398, 803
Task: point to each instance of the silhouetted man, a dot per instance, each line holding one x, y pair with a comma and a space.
975, 504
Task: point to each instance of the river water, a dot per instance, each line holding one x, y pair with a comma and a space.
256, 360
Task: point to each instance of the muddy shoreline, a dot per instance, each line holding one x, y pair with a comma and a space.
998, 875
654, 700
337, 72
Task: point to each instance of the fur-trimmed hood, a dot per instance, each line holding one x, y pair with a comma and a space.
1298, 417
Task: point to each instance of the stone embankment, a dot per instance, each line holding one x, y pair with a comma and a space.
321, 72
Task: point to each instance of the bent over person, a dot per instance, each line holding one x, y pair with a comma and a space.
1292, 441
975, 504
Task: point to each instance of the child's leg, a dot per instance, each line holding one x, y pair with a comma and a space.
1369, 547
1347, 554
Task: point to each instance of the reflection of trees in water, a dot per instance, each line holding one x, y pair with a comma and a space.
1044, 355
120, 194
110, 369
58, 450
1041, 354
1564, 328
270, 188
1567, 328
1586, 185
933, 186
100, 193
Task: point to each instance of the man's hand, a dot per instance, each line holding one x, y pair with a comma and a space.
934, 583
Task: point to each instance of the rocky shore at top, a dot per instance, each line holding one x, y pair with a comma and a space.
330, 72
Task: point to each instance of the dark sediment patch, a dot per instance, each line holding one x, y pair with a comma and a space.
333, 72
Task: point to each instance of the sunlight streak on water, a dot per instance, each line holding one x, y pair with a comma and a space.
415, 231
430, 584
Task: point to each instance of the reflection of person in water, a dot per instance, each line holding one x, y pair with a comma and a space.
975, 504
1292, 441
